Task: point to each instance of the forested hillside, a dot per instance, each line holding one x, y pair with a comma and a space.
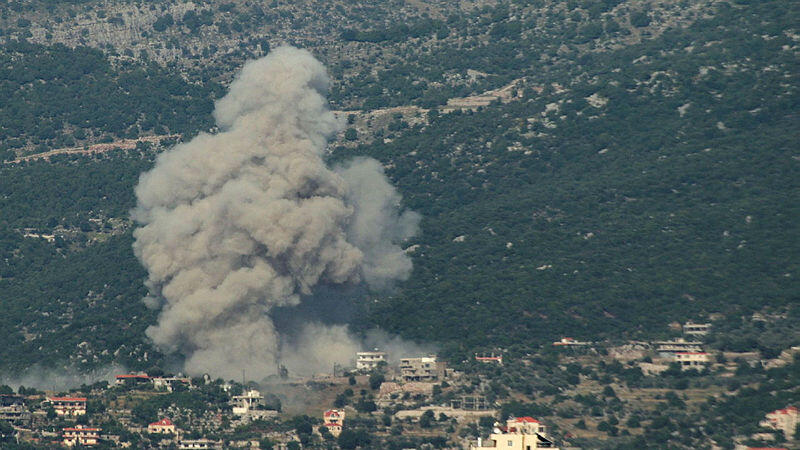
70, 287
657, 184
55, 96
644, 170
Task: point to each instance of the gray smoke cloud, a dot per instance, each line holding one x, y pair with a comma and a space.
376, 226
319, 346
234, 224
61, 379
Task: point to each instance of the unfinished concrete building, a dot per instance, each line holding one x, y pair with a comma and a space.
427, 368
696, 329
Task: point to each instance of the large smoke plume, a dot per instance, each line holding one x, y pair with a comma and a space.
237, 223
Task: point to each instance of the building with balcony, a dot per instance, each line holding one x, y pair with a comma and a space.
520, 433
13, 410
366, 361
666, 349
168, 383
692, 360
68, 406
251, 406
696, 329
80, 435
427, 368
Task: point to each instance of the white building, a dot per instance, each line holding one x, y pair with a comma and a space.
367, 361
785, 419
668, 348
570, 342
198, 444
168, 382
243, 404
692, 360
489, 359
521, 433
68, 406
80, 435
163, 426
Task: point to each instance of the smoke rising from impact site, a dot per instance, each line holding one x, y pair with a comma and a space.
234, 224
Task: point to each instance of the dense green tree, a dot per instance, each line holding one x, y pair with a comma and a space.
350, 439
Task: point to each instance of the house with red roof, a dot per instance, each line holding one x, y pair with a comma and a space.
333, 419
785, 420
496, 359
68, 406
519, 433
163, 426
131, 378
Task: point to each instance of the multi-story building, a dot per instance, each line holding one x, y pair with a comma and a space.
366, 361
16, 414
247, 402
13, 410
785, 419
68, 406
692, 360
334, 421
80, 435
520, 433
696, 329
427, 368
